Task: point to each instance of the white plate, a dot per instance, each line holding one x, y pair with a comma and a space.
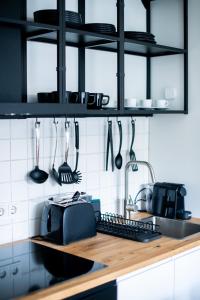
142, 107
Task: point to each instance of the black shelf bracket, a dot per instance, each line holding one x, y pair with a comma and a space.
120, 55
61, 60
81, 52
185, 12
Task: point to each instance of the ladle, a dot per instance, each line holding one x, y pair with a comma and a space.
37, 175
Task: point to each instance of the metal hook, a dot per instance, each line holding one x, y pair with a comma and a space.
54, 121
133, 120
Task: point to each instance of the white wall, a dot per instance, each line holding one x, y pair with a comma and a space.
17, 158
17, 136
174, 140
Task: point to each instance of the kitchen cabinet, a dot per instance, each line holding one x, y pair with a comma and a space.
6, 286
15, 29
105, 291
175, 279
153, 283
187, 276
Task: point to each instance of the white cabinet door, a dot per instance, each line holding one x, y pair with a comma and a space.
6, 287
155, 283
187, 276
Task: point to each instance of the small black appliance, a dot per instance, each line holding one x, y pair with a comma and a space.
168, 201
63, 224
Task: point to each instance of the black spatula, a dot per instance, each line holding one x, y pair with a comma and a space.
65, 172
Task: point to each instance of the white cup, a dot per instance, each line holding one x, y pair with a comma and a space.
146, 103
162, 103
130, 102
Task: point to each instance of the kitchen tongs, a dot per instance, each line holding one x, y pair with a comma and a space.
110, 146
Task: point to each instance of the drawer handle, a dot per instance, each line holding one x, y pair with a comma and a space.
2, 274
15, 271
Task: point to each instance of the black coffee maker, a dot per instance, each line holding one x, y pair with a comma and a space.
168, 201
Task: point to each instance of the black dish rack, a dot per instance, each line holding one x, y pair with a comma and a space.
117, 225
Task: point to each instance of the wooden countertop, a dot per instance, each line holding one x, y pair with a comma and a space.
122, 256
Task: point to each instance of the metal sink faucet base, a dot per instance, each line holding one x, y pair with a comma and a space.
128, 165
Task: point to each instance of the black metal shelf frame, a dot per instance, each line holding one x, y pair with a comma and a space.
62, 37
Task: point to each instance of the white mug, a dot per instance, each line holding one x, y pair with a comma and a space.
130, 102
146, 103
162, 103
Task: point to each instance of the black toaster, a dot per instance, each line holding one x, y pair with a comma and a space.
63, 225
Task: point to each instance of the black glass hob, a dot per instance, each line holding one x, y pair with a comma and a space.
26, 267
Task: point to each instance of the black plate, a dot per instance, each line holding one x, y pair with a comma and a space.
99, 27
50, 16
144, 40
139, 33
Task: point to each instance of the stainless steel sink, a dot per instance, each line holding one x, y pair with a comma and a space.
177, 229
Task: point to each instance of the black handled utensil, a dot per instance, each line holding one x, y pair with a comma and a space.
131, 152
37, 175
54, 173
77, 176
65, 172
118, 158
110, 146
146, 3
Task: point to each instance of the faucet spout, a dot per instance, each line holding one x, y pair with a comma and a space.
130, 163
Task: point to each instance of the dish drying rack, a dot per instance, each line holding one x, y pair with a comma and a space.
119, 226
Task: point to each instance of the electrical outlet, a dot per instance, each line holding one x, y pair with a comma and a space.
1, 211
4, 211
12, 210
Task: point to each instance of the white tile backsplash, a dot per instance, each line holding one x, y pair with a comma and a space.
5, 192
18, 149
4, 171
5, 129
19, 169
18, 129
34, 227
19, 191
5, 150
6, 234
23, 200
20, 230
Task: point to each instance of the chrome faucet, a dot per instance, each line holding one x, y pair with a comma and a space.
130, 163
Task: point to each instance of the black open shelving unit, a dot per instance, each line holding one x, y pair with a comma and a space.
65, 36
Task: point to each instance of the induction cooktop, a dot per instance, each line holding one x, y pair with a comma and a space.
26, 267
